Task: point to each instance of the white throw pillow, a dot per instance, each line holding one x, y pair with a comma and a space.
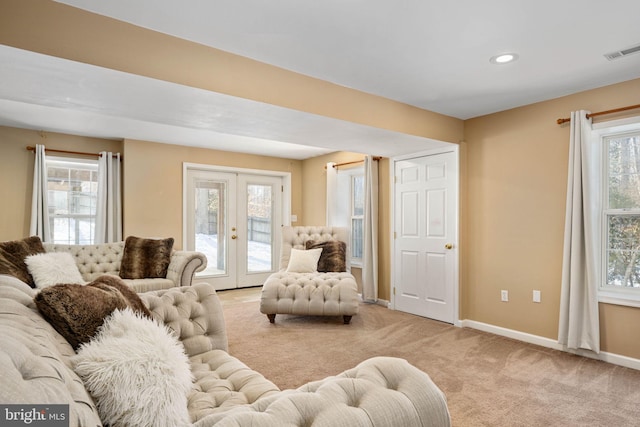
304, 261
52, 268
137, 372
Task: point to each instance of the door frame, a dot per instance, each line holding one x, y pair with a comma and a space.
286, 193
456, 226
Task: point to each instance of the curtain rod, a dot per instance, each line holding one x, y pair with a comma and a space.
600, 113
337, 165
81, 153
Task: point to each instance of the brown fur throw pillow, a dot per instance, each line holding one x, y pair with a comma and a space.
145, 258
77, 311
12, 256
333, 256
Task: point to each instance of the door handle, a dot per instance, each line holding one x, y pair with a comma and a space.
448, 246
234, 237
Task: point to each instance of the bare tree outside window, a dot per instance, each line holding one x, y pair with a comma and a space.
622, 213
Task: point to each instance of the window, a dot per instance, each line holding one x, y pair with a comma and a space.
621, 211
357, 218
348, 208
72, 192
618, 240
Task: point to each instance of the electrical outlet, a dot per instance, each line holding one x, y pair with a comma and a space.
504, 295
536, 296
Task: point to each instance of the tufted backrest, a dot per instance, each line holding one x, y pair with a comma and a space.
93, 260
194, 313
296, 237
35, 358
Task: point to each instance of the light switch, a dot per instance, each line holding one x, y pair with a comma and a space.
536, 296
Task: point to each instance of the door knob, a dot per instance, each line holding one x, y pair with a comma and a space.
448, 246
234, 237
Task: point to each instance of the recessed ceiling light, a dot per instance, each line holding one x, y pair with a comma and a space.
503, 58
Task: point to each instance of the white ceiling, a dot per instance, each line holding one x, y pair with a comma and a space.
431, 54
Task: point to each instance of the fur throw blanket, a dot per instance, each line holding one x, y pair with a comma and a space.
77, 311
137, 372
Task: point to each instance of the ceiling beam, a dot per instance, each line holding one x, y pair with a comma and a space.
56, 29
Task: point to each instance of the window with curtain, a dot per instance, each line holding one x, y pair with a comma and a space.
619, 245
72, 187
348, 208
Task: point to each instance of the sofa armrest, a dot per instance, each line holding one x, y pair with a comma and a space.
379, 392
194, 313
183, 265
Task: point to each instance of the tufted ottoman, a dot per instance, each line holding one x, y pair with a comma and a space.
316, 294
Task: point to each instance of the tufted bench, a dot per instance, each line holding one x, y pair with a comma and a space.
95, 260
318, 294
380, 392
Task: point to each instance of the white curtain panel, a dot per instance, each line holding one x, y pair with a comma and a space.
370, 249
579, 320
40, 201
109, 205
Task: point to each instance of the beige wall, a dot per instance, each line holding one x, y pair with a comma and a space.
516, 179
152, 178
16, 171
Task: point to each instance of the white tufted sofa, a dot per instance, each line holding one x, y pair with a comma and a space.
95, 260
382, 391
317, 294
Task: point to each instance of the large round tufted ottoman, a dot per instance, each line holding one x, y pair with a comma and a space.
315, 294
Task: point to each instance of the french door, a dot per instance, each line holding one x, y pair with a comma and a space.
234, 219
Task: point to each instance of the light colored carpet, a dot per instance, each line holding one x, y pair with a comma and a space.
488, 380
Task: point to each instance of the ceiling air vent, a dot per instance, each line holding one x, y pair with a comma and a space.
620, 53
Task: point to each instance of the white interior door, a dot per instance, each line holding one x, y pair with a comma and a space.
234, 219
425, 242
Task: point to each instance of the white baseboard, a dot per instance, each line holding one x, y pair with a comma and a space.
382, 302
616, 359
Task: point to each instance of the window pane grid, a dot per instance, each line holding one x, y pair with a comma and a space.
72, 192
623, 154
623, 250
357, 217
622, 212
